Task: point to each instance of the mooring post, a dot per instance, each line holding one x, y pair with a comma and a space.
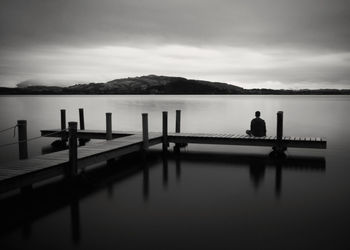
108, 126
177, 121
278, 149
145, 131
73, 149
63, 125
82, 141
110, 162
23, 149
22, 139
165, 131
81, 119
178, 129
279, 126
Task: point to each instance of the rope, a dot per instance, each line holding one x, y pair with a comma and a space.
7, 129
31, 139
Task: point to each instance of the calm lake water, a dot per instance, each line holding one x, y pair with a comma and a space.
207, 197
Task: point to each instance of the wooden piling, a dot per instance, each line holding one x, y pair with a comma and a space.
23, 150
177, 121
82, 141
145, 131
165, 131
178, 130
108, 126
73, 149
22, 139
279, 148
81, 119
63, 125
279, 125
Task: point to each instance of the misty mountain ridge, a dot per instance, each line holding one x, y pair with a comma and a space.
152, 84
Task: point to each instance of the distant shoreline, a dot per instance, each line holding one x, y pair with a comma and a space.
99, 94
158, 85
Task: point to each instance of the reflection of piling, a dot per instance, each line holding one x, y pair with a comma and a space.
165, 169
178, 164
278, 180
145, 184
75, 220
73, 149
26, 210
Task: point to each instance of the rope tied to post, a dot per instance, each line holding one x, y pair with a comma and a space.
32, 139
10, 128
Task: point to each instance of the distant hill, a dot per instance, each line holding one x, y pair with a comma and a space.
157, 85
153, 84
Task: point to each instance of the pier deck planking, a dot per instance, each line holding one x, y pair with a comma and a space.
21, 173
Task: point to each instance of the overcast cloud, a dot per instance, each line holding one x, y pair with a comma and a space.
261, 43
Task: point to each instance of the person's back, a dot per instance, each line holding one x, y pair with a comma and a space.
257, 126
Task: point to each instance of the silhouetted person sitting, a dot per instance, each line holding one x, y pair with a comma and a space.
257, 126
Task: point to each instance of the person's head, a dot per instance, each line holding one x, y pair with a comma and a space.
257, 113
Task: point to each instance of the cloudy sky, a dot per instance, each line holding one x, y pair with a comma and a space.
250, 43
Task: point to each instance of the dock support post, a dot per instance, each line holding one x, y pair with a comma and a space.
108, 126
81, 119
279, 148
82, 141
73, 149
22, 139
145, 137
177, 121
109, 135
63, 126
177, 130
23, 149
165, 131
279, 126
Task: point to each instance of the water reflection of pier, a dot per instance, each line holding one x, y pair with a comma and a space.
256, 163
23, 210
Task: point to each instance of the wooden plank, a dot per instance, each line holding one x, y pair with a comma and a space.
26, 172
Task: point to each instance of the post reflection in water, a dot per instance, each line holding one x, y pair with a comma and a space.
165, 169
178, 163
21, 211
27, 224
257, 164
278, 180
257, 173
145, 184
75, 220
257, 169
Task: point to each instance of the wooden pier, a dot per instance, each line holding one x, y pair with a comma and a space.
25, 172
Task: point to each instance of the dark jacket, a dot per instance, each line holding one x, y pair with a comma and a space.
258, 127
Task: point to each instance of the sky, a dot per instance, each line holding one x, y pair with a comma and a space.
289, 44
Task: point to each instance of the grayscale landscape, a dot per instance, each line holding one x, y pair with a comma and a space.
161, 124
